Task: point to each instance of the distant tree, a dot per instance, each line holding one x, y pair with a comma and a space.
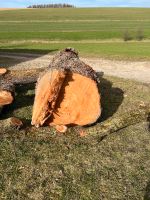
52, 6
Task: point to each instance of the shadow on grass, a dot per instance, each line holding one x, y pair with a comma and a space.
111, 97
34, 51
148, 119
22, 106
147, 192
11, 57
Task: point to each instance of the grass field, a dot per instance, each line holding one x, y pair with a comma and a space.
111, 50
70, 26
40, 164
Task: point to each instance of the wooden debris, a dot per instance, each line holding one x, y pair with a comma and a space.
47, 91
115, 124
9, 124
5, 98
61, 128
3, 71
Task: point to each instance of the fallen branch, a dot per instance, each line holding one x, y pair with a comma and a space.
115, 124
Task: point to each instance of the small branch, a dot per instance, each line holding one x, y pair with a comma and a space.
10, 124
117, 123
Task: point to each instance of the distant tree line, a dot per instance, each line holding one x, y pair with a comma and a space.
64, 5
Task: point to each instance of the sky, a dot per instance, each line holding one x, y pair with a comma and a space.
77, 3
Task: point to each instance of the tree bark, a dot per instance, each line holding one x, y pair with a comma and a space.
12, 78
115, 124
10, 124
67, 93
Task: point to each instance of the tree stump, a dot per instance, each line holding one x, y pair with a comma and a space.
67, 93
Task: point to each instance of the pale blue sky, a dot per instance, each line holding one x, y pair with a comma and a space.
78, 3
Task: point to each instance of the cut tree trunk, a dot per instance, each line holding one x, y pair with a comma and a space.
78, 102
5, 98
12, 78
47, 91
67, 93
3, 71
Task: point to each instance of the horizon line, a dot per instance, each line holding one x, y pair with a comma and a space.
79, 7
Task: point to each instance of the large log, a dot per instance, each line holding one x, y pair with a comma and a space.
9, 80
20, 76
67, 93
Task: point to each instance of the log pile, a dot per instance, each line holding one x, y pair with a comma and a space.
8, 81
66, 93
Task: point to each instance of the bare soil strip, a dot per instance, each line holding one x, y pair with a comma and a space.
68, 41
135, 70
72, 20
72, 41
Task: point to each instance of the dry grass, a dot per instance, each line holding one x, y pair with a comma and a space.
10, 8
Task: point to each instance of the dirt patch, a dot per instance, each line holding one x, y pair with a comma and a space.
135, 70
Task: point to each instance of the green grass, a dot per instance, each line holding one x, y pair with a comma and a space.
40, 164
113, 50
76, 14
36, 24
75, 35
73, 26
88, 24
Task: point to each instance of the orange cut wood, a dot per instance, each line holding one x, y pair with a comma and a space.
61, 128
78, 102
5, 98
47, 91
3, 71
